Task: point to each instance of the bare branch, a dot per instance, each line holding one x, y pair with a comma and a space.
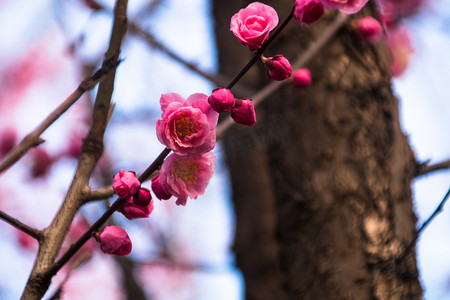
33, 138
33, 232
425, 168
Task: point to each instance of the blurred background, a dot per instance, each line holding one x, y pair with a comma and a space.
47, 47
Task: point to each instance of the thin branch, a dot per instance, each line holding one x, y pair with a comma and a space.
425, 168
33, 232
302, 59
423, 227
33, 138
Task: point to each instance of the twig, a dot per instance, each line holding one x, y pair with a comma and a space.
424, 168
33, 232
302, 59
33, 138
423, 227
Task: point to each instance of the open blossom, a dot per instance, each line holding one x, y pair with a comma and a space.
278, 67
347, 6
185, 177
252, 25
115, 240
125, 184
308, 11
187, 126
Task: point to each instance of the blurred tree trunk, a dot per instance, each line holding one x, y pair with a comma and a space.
321, 184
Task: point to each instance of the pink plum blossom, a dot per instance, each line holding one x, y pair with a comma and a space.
125, 184
278, 67
243, 112
132, 211
308, 11
252, 25
159, 191
369, 29
185, 177
301, 78
187, 127
115, 240
221, 100
347, 6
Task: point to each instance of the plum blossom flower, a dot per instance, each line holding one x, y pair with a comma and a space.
301, 78
369, 29
142, 197
278, 67
221, 100
252, 25
347, 6
185, 177
308, 11
243, 112
187, 127
125, 184
115, 240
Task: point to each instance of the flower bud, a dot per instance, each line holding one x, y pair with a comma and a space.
142, 197
133, 211
308, 11
278, 67
115, 240
159, 191
221, 100
243, 112
301, 78
369, 29
125, 184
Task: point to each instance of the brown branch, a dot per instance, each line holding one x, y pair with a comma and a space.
33, 232
302, 59
425, 168
91, 151
33, 138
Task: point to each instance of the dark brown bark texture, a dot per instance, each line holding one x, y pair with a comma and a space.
321, 184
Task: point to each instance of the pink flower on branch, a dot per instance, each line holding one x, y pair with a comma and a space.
369, 29
185, 177
115, 240
187, 126
221, 100
252, 25
159, 191
301, 78
243, 112
278, 67
347, 6
133, 211
125, 184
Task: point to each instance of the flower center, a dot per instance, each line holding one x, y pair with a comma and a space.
185, 127
187, 171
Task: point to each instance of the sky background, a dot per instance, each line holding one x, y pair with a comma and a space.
202, 232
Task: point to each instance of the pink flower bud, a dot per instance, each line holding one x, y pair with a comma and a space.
301, 78
132, 211
308, 11
278, 67
243, 112
221, 100
369, 29
125, 184
159, 190
115, 240
142, 197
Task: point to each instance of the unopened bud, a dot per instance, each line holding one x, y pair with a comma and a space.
301, 78
221, 100
243, 112
115, 240
278, 67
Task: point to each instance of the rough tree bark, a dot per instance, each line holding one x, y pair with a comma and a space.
321, 184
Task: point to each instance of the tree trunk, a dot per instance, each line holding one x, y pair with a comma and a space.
321, 184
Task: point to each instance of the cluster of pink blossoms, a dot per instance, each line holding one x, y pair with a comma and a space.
187, 126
